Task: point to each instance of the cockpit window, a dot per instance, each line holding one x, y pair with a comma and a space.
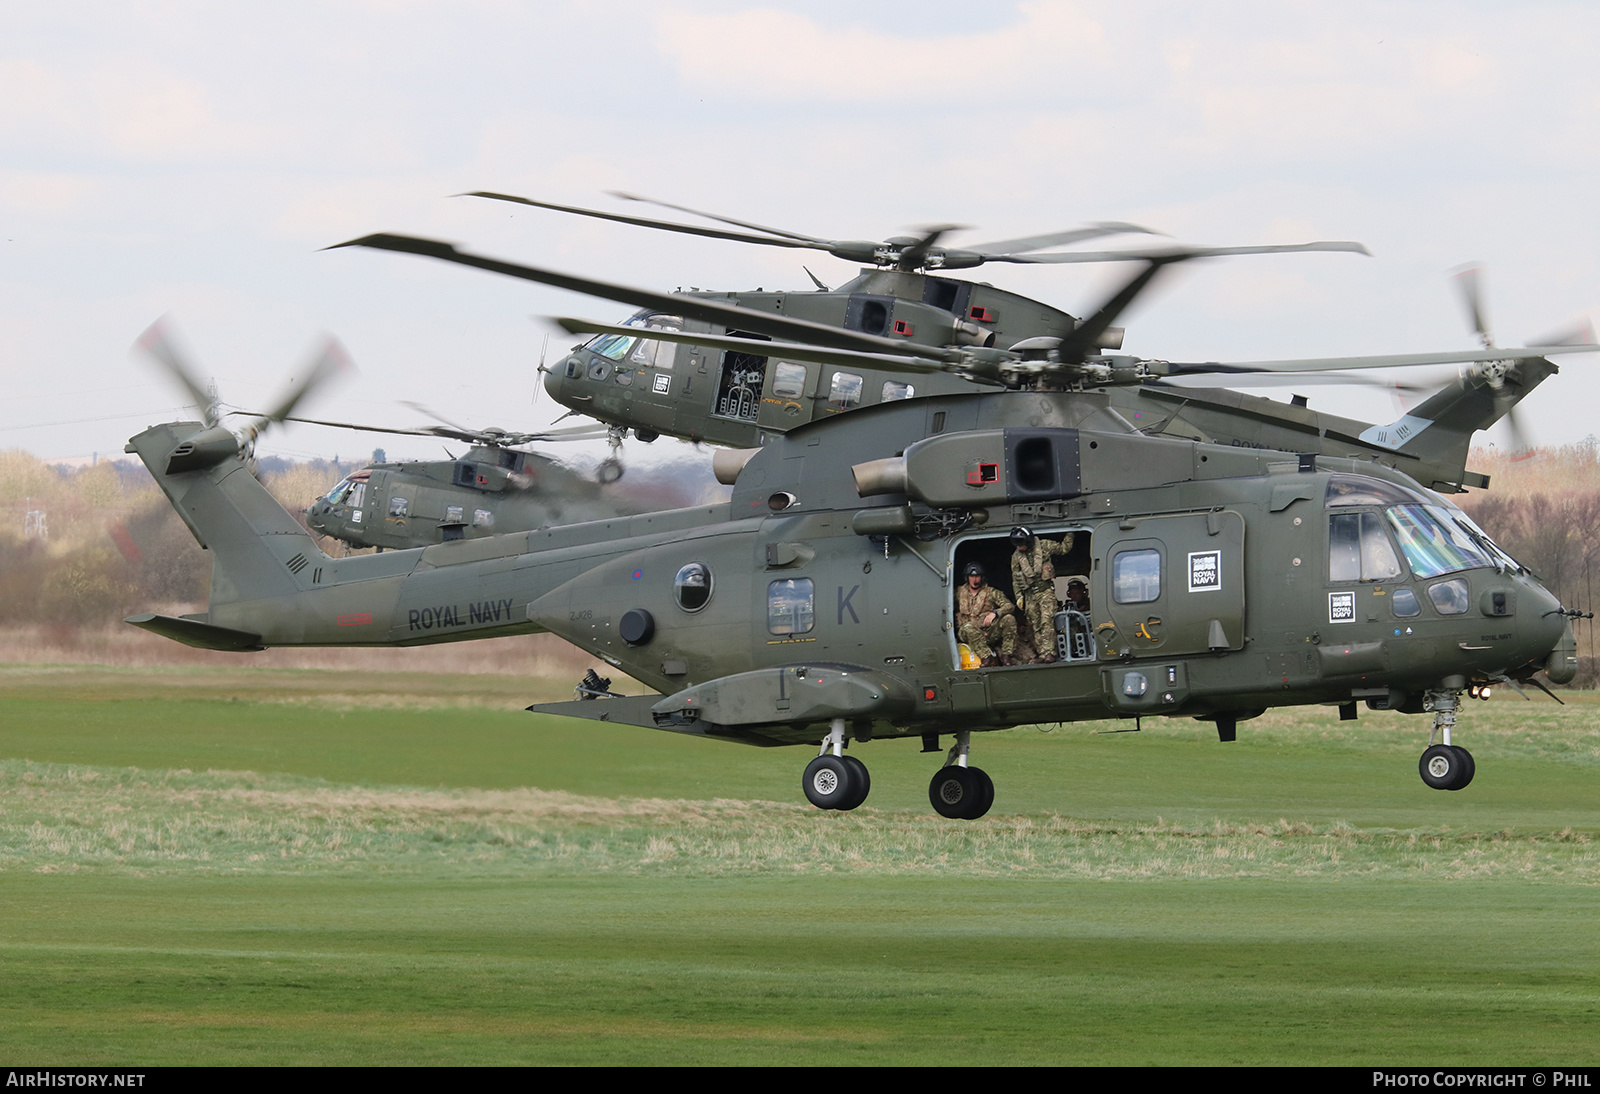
1359, 490
1358, 549
1433, 542
692, 586
336, 495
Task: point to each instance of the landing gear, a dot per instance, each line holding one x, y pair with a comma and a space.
958, 791
1446, 766
834, 780
610, 469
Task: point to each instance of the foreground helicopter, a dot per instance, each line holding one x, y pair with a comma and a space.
819, 605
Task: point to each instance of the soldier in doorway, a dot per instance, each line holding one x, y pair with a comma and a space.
986, 619
1033, 580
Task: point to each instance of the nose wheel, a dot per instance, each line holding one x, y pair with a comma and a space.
1445, 766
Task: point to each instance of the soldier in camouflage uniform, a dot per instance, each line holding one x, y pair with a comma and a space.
985, 619
1033, 580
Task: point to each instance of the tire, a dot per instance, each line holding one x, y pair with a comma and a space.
1469, 768
953, 792
829, 782
985, 795
1442, 767
861, 785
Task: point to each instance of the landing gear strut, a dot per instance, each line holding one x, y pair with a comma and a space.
958, 791
834, 780
1445, 766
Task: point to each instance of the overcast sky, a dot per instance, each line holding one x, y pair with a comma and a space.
192, 159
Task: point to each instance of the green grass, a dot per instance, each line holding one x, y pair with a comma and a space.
302, 867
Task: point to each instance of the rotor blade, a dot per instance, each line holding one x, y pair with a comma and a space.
1085, 338
646, 222
1184, 252
1294, 379
722, 219
787, 351
1579, 333
333, 358
471, 436
435, 415
1519, 435
1469, 280
1057, 239
727, 315
156, 343
1397, 360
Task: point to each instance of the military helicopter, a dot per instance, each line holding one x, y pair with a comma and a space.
394, 506
415, 503
826, 364
819, 605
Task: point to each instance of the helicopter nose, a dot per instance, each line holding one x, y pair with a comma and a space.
552, 380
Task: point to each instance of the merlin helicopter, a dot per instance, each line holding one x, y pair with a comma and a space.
411, 503
819, 605
781, 367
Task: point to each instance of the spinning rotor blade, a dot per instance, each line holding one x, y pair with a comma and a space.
1469, 280
331, 360
901, 252
1397, 360
157, 344
665, 225
1172, 253
727, 315
470, 436
714, 216
995, 251
1285, 379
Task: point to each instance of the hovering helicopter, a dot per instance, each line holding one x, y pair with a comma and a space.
819, 606
788, 359
494, 485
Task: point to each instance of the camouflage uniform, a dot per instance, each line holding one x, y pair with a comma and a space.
1033, 579
971, 606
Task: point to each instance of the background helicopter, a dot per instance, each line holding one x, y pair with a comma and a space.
417, 502
819, 368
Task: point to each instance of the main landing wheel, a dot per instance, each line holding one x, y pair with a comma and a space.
961, 793
836, 782
1447, 767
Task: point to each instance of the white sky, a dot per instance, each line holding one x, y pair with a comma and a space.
192, 158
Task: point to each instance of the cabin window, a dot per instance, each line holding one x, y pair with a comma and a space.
453, 514
1449, 597
399, 507
692, 586
482, 518
845, 391
1358, 550
893, 391
1405, 604
789, 380
1136, 576
791, 606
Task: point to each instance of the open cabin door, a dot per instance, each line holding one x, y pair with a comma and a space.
1169, 585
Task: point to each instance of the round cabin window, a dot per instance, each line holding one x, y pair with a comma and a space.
692, 586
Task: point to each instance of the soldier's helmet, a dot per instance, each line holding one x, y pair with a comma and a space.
972, 568
1021, 537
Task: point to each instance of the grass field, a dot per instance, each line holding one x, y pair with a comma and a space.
276, 866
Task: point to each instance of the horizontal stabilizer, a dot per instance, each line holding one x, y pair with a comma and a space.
192, 632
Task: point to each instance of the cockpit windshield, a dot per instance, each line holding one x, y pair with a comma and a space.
1434, 541
615, 347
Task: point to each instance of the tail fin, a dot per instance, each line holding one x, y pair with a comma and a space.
259, 552
1439, 430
